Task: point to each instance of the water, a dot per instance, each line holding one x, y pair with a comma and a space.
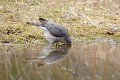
81, 61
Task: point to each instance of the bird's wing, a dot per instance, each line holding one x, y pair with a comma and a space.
57, 30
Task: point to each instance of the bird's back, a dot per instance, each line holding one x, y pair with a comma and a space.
56, 30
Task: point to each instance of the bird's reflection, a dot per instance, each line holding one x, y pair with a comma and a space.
53, 54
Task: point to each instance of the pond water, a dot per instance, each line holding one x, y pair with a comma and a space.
80, 61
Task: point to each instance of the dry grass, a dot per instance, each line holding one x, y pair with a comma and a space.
88, 19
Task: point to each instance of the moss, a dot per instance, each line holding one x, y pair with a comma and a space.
15, 15
5, 11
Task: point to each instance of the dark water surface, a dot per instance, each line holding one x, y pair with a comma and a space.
81, 61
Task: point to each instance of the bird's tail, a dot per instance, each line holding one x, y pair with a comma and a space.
43, 21
35, 23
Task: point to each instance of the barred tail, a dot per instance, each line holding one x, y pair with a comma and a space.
35, 23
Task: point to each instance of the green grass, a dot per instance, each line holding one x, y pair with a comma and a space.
84, 20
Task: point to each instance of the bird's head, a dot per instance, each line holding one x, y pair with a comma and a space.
68, 40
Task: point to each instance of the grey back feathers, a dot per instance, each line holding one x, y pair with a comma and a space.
56, 30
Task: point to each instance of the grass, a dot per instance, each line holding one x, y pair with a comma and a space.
83, 19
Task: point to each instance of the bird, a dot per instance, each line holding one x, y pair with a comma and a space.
53, 32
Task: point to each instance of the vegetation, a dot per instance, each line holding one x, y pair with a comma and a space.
84, 19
